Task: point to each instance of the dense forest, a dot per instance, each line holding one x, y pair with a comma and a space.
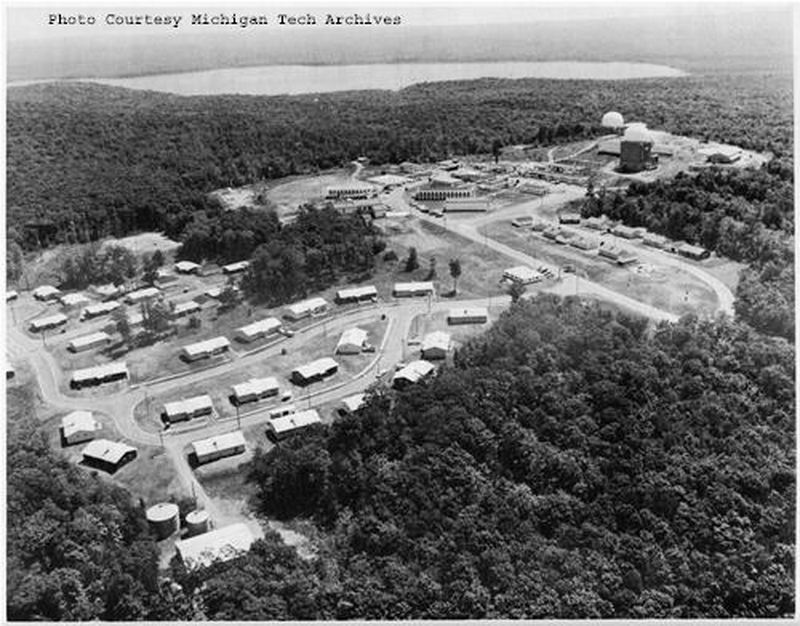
572, 463
744, 215
86, 161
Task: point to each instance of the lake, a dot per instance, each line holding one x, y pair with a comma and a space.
297, 79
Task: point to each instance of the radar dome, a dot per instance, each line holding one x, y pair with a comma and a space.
638, 134
612, 119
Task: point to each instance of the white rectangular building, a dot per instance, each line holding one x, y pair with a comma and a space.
189, 408
98, 375
412, 373
79, 426
314, 371
235, 268
222, 544
46, 293
187, 267
11, 295
105, 292
88, 342
110, 455
357, 294
255, 389
73, 299
47, 323
522, 274
100, 309
213, 448
351, 404
352, 341
185, 308
407, 290
306, 308
477, 315
140, 295
289, 424
205, 349
435, 345
258, 330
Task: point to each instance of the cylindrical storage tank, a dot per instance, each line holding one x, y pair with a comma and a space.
196, 523
163, 519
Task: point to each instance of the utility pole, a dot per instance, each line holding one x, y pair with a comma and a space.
238, 418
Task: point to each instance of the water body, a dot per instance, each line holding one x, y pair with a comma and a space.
297, 79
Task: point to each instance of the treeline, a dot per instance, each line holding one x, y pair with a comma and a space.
88, 161
745, 215
571, 465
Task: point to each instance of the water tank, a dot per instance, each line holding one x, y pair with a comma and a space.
196, 523
163, 519
612, 119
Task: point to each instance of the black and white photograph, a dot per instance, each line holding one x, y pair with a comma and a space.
386, 312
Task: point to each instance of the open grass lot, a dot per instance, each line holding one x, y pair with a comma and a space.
724, 269
280, 367
660, 286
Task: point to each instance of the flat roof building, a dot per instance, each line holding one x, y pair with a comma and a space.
98, 375
477, 315
185, 308
235, 268
693, 252
655, 241
73, 299
357, 294
412, 373
351, 404
189, 408
140, 295
46, 323
187, 267
352, 341
98, 310
289, 424
466, 205
255, 389
205, 349
11, 295
87, 342
626, 232
523, 275
222, 544
306, 308
435, 345
79, 426
405, 290
46, 293
621, 256
105, 291
352, 191
109, 455
314, 371
221, 446
258, 330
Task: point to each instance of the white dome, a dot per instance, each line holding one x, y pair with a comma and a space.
612, 119
637, 133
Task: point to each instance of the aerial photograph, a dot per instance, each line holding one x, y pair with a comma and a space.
386, 312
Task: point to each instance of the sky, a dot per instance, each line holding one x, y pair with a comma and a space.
29, 20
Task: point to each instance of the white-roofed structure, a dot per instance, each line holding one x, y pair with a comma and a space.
351, 404
407, 290
255, 389
612, 119
205, 349
11, 295
222, 544
655, 241
140, 295
258, 330
235, 268
476, 315
693, 252
189, 408
79, 426
357, 294
288, 424
187, 267
185, 308
213, 448
100, 309
46, 292
352, 341
46, 323
523, 275
87, 342
412, 373
98, 375
73, 299
105, 291
353, 191
306, 308
435, 345
109, 455
314, 371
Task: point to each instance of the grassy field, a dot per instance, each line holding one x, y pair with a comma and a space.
660, 286
280, 367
